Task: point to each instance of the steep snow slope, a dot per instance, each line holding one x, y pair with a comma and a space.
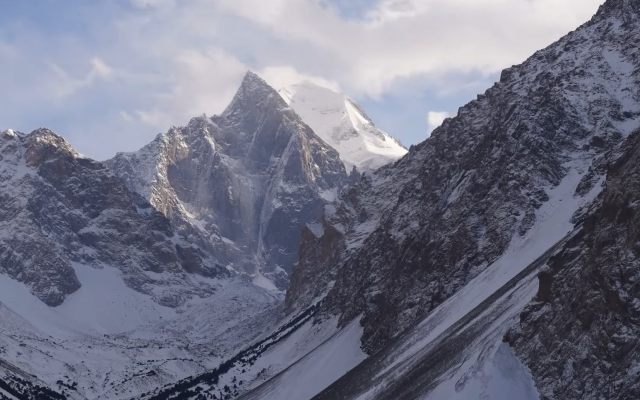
446, 236
457, 351
315, 371
319, 351
342, 124
246, 180
454, 351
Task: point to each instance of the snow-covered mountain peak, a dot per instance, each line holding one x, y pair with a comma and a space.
246, 180
342, 124
44, 144
198, 132
44, 136
9, 132
201, 121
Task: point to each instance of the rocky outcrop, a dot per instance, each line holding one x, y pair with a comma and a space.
248, 180
579, 337
318, 247
416, 232
61, 210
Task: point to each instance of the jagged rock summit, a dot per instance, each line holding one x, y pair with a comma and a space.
248, 180
343, 124
62, 212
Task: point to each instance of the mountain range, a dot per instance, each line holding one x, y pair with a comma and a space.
289, 249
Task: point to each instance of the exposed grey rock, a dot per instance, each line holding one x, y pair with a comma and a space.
248, 180
580, 335
61, 210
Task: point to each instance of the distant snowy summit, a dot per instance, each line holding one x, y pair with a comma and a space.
341, 123
8, 132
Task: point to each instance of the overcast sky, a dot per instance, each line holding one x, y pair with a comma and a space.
109, 75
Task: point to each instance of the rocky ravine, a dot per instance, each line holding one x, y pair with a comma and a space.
60, 210
412, 234
248, 180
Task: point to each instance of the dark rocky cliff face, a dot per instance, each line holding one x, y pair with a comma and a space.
580, 335
60, 209
415, 232
248, 180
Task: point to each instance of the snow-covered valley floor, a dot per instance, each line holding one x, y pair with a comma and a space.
109, 341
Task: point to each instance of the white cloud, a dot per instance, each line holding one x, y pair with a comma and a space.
152, 3
197, 81
436, 118
162, 62
397, 39
153, 117
99, 69
126, 116
66, 85
391, 10
279, 77
405, 38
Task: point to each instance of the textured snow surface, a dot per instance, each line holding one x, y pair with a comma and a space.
296, 359
117, 343
260, 281
103, 305
342, 124
486, 368
60, 210
106, 305
316, 370
503, 377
